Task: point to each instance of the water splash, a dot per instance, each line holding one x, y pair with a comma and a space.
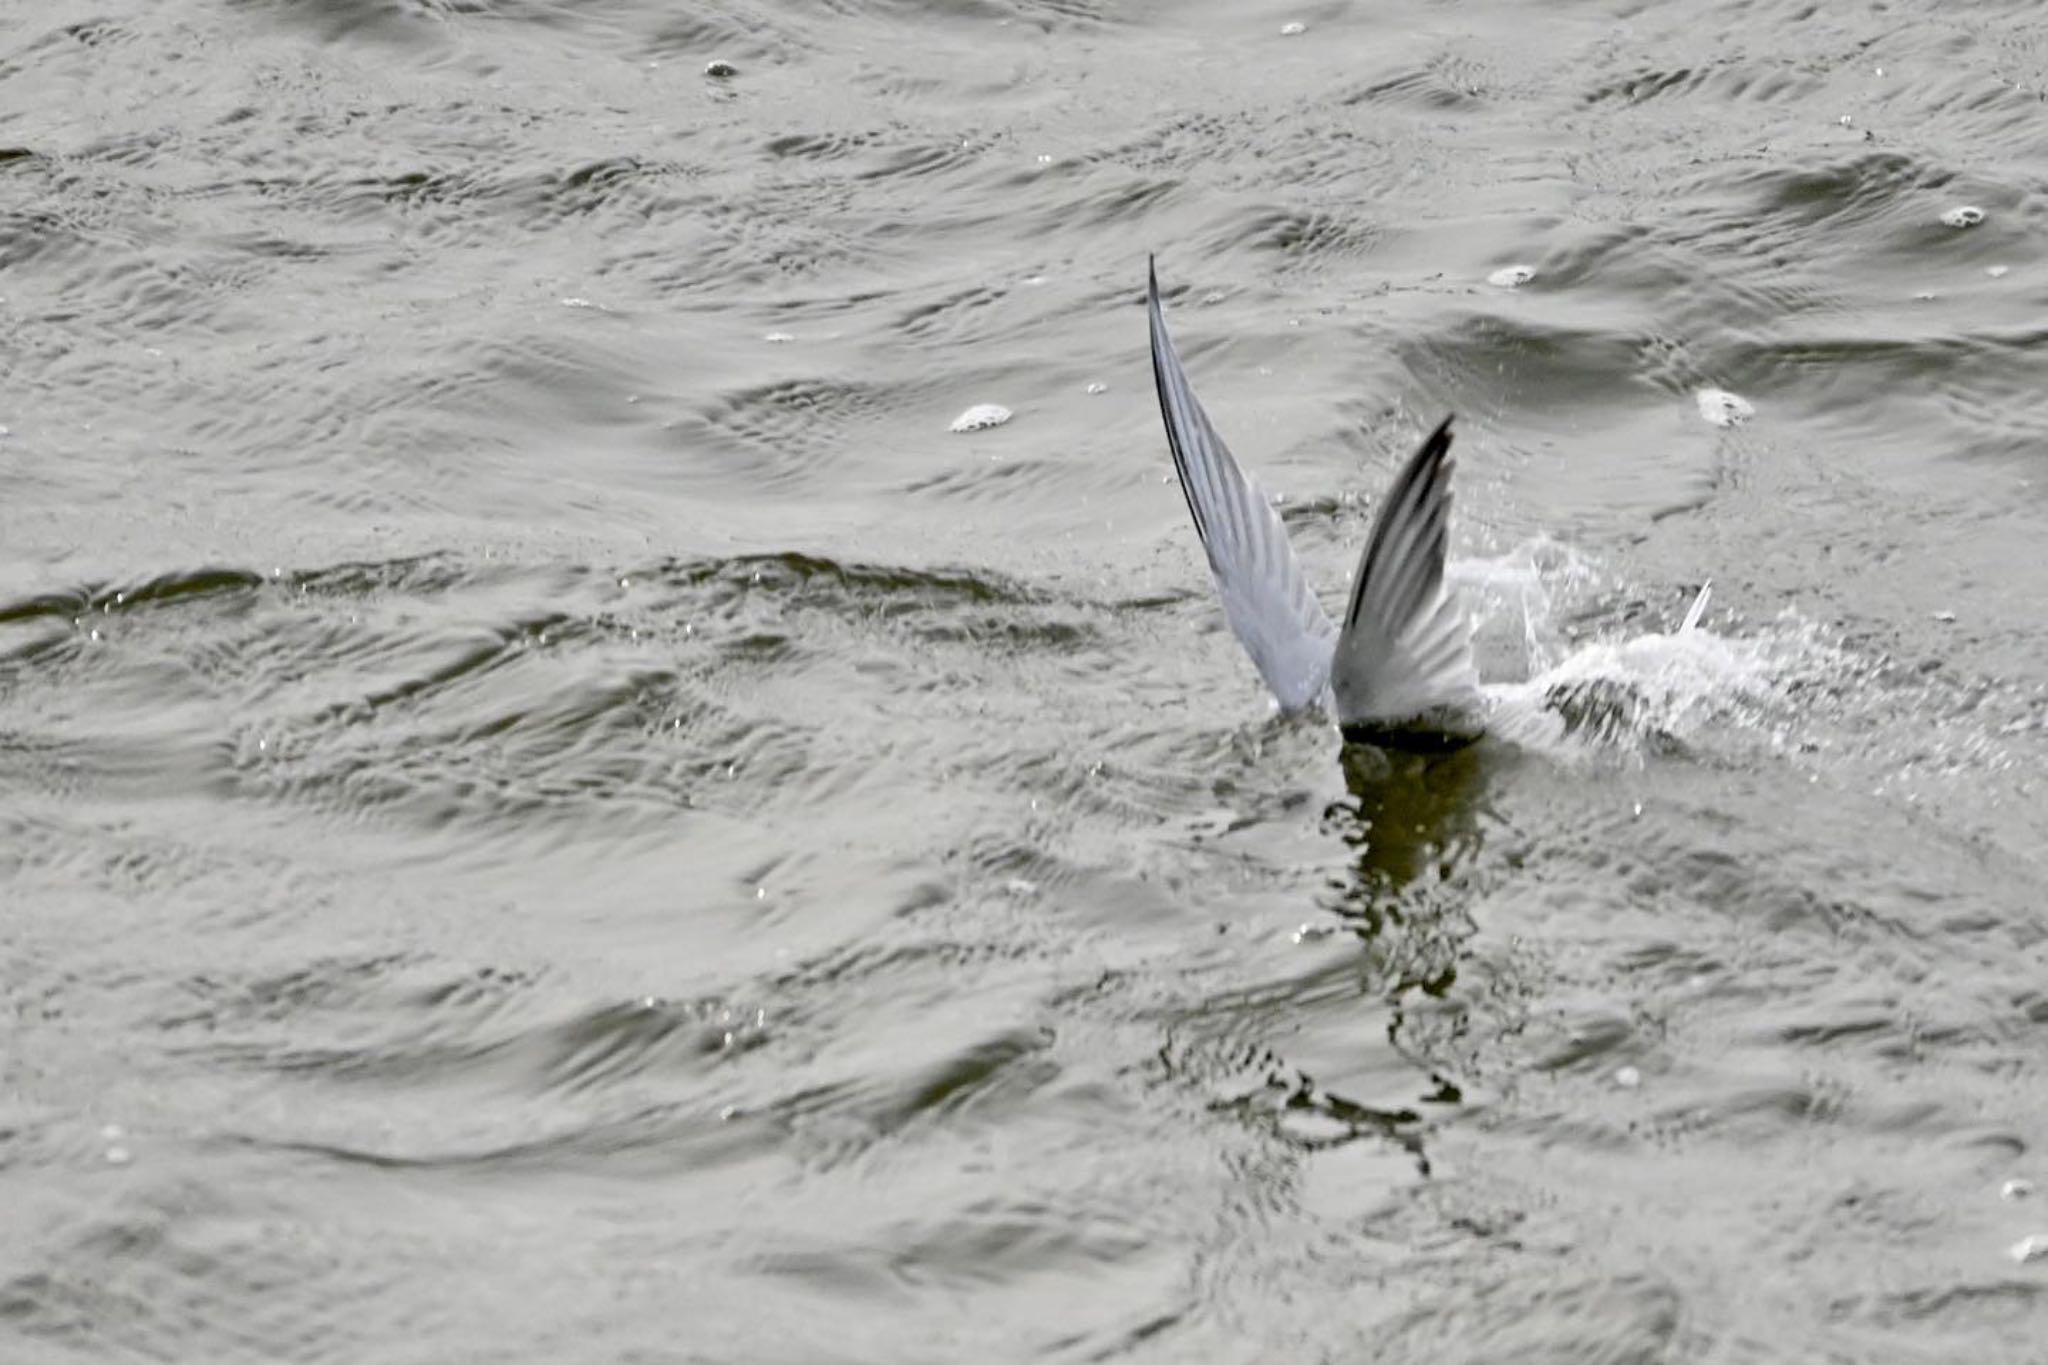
1626, 690
1519, 601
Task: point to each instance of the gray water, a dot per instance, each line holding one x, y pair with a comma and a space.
551, 810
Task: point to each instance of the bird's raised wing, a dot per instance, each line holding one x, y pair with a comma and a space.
1265, 597
1405, 652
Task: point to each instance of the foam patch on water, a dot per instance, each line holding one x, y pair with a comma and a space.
1720, 408
981, 417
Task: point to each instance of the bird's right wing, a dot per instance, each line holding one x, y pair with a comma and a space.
1265, 597
1405, 653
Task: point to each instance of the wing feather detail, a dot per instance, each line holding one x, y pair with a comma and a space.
1265, 596
1405, 652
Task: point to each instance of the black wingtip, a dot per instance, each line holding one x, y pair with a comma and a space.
1423, 478
1435, 449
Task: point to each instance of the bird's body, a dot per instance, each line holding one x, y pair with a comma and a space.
1398, 672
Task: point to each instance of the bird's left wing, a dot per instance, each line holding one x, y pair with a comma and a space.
1265, 596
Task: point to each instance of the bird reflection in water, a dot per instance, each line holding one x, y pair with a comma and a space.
1415, 822
1410, 813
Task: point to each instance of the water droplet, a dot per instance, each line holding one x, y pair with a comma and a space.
118, 1156
981, 416
1293, 30
720, 70
1628, 1078
1098, 388
1996, 272
1512, 276
728, 1113
2015, 1189
1962, 216
1947, 618
778, 337
2034, 1248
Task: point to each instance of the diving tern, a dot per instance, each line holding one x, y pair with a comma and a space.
1399, 672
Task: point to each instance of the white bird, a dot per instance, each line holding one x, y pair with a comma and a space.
1400, 672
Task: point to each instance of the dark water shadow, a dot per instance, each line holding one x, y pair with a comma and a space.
1367, 1061
1411, 814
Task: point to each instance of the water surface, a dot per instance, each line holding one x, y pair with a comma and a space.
550, 808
